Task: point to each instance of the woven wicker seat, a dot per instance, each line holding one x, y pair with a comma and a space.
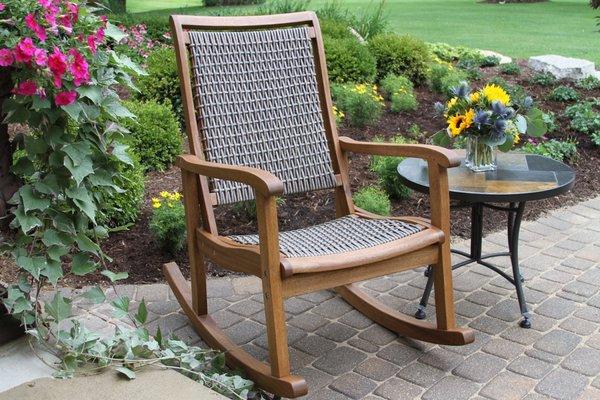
341, 235
260, 125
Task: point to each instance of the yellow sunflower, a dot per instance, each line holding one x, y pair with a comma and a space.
452, 102
475, 96
495, 93
458, 123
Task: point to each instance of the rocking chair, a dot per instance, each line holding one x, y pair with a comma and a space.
260, 125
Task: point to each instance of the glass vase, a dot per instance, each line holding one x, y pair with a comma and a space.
480, 155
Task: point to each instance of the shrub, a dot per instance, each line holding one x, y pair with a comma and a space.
168, 221
349, 61
560, 150
448, 53
123, 209
585, 117
470, 67
248, 208
400, 55
443, 78
489, 61
403, 101
543, 79
373, 199
283, 6
564, 94
155, 135
395, 83
156, 26
162, 82
386, 170
335, 29
550, 120
510, 69
588, 83
334, 11
359, 102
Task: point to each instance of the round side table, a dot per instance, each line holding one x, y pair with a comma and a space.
518, 179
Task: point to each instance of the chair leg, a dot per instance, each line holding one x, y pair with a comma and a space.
276, 328
444, 295
198, 283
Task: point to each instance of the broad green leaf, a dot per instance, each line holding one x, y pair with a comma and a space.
59, 308
95, 295
53, 271
441, 138
121, 306
56, 252
33, 265
53, 237
126, 372
80, 171
521, 124
142, 313
86, 244
114, 277
63, 223
78, 152
92, 92
118, 110
120, 152
39, 103
73, 109
26, 222
32, 201
83, 201
127, 63
82, 265
535, 123
115, 33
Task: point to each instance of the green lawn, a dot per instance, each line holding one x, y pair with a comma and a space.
565, 27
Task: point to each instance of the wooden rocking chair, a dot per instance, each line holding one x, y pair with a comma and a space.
259, 121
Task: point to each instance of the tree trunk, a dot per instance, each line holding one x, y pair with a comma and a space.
8, 183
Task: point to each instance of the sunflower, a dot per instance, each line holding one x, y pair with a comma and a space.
452, 102
458, 123
475, 96
495, 93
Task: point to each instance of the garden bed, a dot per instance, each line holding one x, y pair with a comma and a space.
136, 251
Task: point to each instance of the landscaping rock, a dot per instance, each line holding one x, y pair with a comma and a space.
563, 67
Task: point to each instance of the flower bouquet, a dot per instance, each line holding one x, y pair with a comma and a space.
487, 120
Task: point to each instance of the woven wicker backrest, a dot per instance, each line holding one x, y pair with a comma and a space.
257, 104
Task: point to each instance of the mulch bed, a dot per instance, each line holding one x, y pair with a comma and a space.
136, 252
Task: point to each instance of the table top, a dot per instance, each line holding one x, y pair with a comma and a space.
519, 177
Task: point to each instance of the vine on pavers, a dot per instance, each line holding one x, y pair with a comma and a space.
64, 74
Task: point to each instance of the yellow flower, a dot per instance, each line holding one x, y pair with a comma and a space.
156, 203
452, 102
475, 96
516, 138
495, 93
164, 194
458, 123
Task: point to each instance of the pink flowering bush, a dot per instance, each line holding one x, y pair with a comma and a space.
137, 44
58, 54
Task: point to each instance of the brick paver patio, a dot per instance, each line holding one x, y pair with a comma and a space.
344, 355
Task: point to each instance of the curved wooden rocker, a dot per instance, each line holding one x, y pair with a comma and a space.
259, 121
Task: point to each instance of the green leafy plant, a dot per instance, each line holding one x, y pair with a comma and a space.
335, 29
585, 118
386, 170
121, 209
550, 120
360, 103
334, 11
403, 101
543, 79
471, 68
560, 150
393, 83
400, 55
155, 135
168, 221
563, 94
283, 6
443, 78
510, 69
372, 21
588, 83
162, 81
448, 53
248, 208
489, 61
373, 199
349, 61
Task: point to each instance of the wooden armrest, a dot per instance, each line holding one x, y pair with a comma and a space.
441, 156
260, 180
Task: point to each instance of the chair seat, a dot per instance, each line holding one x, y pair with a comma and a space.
342, 235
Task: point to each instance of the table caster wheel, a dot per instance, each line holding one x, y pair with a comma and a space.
420, 314
525, 323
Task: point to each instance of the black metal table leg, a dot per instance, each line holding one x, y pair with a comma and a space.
515, 214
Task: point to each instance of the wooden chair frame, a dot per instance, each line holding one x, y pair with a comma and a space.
265, 261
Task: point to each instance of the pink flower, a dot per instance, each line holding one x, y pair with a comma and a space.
104, 20
24, 50
50, 17
100, 35
7, 57
57, 62
45, 3
2, 7
73, 10
32, 24
91, 41
41, 57
65, 98
66, 23
26, 88
79, 68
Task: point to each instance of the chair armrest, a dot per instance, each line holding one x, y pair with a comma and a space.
443, 157
260, 180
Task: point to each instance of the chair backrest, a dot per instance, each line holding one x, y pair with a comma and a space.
257, 101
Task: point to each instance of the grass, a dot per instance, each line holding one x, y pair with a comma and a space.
565, 27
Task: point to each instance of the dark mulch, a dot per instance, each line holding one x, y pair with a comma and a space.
136, 252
